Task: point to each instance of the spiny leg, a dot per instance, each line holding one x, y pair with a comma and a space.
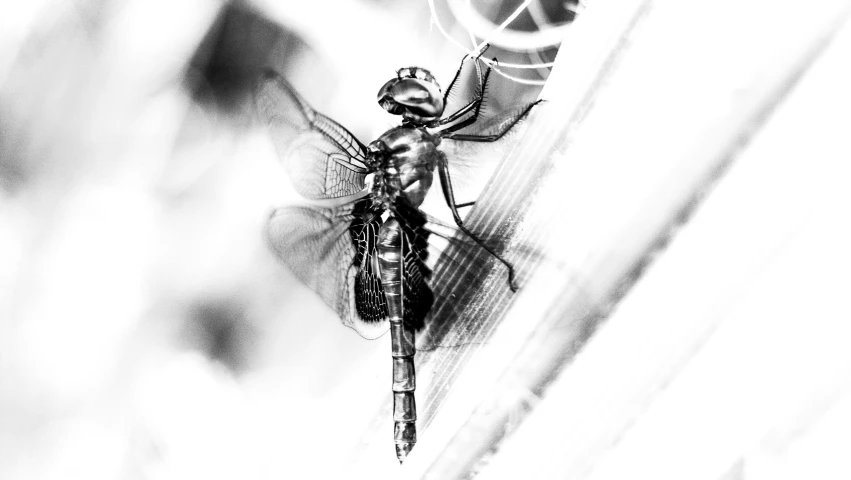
476, 102
461, 111
449, 195
475, 105
461, 67
496, 136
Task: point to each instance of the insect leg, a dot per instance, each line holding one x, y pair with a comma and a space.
391, 258
449, 195
475, 105
461, 67
461, 112
496, 136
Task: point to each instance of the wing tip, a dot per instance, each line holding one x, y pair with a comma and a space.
370, 330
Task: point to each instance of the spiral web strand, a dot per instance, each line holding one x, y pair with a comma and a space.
478, 46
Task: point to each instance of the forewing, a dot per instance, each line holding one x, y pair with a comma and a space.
316, 244
322, 158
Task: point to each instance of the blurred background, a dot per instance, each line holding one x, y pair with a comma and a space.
146, 331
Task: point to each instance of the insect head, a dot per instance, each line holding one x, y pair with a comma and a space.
414, 94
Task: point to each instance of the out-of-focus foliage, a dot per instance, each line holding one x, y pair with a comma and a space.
145, 328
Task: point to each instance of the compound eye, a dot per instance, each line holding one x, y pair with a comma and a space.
386, 99
423, 74
418, 100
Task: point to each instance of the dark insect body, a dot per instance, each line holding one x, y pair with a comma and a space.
367, 256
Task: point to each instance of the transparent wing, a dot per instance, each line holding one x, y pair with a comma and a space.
460, 266
322, 158
316, 244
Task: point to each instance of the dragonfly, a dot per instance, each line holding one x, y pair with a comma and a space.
365, 252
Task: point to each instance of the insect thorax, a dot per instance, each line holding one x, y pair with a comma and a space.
404, 159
